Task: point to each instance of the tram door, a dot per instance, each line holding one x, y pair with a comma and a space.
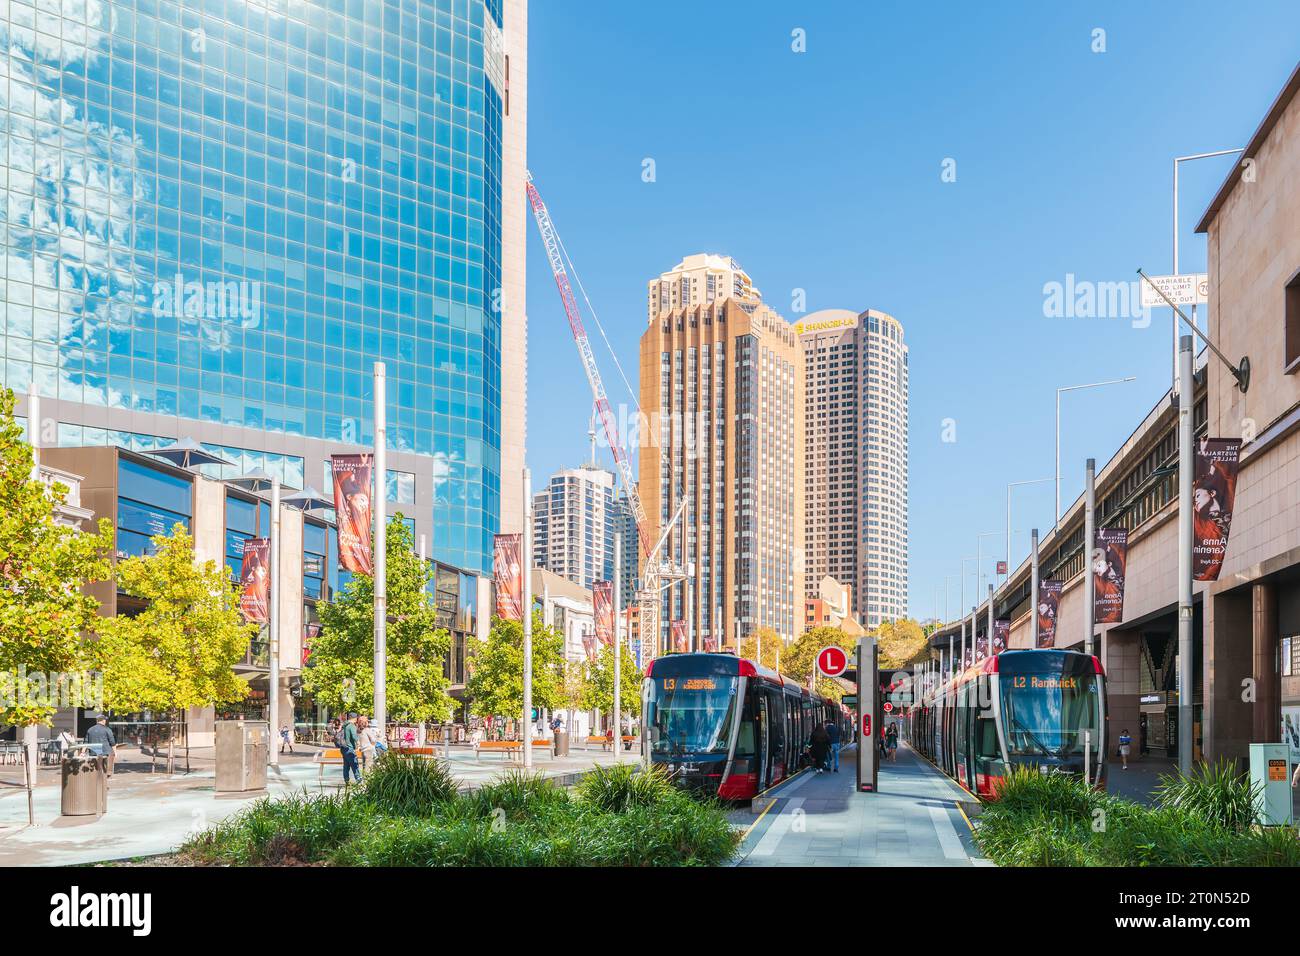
764, 744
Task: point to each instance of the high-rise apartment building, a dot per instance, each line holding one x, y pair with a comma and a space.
574, 520
220, 216
629, 550
855, 458
722, 382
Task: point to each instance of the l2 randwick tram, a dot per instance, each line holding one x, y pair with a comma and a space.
728, 726
1044, 709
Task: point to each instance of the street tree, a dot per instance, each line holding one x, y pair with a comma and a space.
799, 657
341, 670
45, 616
496, 687
771, 645
179, 649
902, 643
598, 692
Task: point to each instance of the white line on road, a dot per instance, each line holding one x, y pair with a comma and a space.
947, 833
779, 828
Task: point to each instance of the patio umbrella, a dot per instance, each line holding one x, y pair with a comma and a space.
309, 499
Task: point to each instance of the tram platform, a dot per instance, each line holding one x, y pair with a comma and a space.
820, 819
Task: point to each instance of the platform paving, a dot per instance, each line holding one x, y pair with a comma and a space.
820, 820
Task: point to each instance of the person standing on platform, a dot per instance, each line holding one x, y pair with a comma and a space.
819, 745
1125, 745
833, 732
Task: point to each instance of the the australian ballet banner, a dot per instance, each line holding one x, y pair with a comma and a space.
1049, 601
507, 576
1214, 486
352, 506
1109, 558
602, 599
1001, 631
255, 580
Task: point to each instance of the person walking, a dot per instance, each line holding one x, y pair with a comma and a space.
286, 739
345, 738
101, 735
819, 745
1125, 745
891, 742
833, 732
366, 742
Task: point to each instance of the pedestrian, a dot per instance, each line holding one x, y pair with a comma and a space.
819, 745
286, 739
345, 739
366, 740
101, 735
65, 740
1125, 744
833, 732
891, 741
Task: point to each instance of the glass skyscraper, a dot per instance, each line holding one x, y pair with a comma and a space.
220, 213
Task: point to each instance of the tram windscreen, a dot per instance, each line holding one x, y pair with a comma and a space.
1050, 713
691, 714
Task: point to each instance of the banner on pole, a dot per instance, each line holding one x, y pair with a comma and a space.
1049, 600
1214, 488
353, 476
981, 647
589, 644
309, 634
602, 599
508, 576
1001, 634
679, 637
1109, 559
255, 580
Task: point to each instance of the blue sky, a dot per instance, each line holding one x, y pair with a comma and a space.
821, 170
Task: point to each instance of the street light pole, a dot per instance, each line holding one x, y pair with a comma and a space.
1089, 541
1073, 388
380, 507
1186, 403
1033, 584
1176, 343
526, 738
273, 625
618, 649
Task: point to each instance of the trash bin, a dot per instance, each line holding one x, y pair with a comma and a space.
561, 743
85, 781
242, 751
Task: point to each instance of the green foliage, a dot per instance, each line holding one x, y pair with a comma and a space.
45, 617
799, 658
180, 651
519, 820
408, 786
1219, 794
771, 645
598, 688
624, 786
496, 686
901, 643
341, 673
1057, 820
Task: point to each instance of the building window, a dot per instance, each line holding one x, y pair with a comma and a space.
1292, 332
149, 503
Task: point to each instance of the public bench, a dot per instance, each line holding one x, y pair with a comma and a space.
604, 742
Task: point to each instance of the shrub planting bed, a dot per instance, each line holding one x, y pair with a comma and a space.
409, 813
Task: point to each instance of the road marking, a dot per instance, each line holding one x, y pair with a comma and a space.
779, 828
947, 833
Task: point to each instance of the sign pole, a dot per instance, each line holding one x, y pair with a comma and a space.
526, 563
1033, 583
380, 497
273, 626
1089, 541
868, 692
1186, 404
618, 651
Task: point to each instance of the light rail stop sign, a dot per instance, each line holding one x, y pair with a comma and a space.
832, 661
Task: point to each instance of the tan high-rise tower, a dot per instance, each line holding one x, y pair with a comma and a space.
722, 385
855, 472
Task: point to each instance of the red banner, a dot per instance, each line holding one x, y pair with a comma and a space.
309, 634
255, 580
1109, 558
1214, 487
602, 599
508, 576
353, 476
1049, 601
589, 644
1001, 634
679, 637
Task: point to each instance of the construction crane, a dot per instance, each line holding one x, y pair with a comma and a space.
658, 572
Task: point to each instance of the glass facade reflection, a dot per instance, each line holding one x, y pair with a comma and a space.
227, 210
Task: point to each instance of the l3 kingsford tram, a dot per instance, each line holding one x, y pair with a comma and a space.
1044, 709
728, 726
